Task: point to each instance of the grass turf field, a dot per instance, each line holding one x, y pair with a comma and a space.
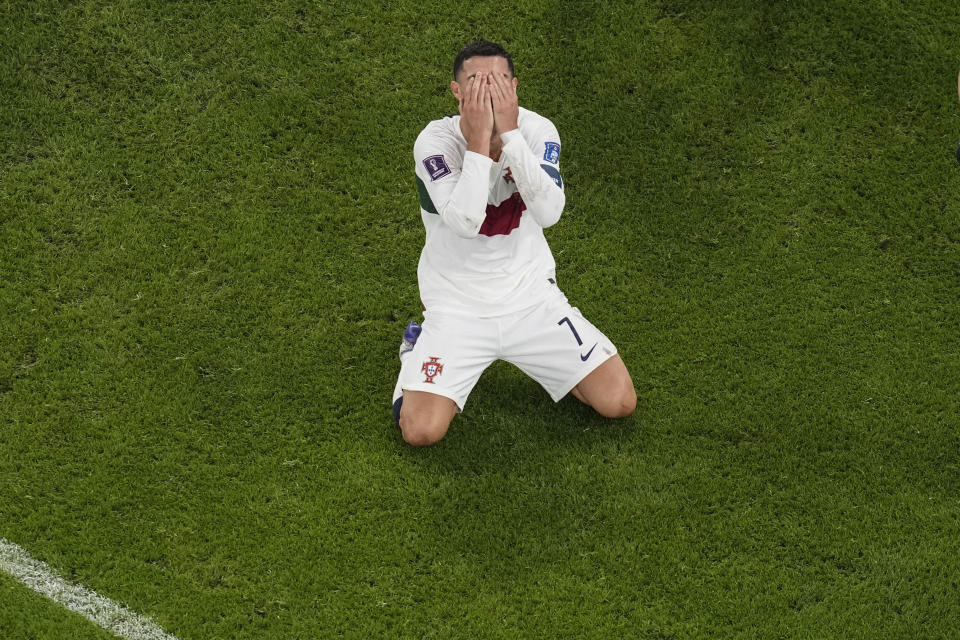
209, 236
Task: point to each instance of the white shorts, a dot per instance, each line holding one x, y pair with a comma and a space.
551, 342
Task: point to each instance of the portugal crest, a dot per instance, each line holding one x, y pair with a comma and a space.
431, 368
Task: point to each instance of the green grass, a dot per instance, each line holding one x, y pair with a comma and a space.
25, 614
209, 237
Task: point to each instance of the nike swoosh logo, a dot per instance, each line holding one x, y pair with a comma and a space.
585, 357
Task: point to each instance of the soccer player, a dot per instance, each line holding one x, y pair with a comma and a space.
489, 183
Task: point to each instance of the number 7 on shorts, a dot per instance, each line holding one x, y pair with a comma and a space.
575, 334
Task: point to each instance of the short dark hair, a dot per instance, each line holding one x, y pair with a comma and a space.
480, 48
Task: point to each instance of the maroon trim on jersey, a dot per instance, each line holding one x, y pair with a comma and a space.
503, 218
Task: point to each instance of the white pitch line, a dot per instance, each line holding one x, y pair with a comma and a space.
110, 615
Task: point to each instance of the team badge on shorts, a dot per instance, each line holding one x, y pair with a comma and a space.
431, 368
552, 152
436, 167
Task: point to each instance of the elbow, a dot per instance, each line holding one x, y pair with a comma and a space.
548, 220
549, 214
463, 224
552, 221
467, 232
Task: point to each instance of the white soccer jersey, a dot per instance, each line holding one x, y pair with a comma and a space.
485, 252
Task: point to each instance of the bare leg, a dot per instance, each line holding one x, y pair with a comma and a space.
425, 417
608, 389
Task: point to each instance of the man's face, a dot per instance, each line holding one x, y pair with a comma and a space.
480, 64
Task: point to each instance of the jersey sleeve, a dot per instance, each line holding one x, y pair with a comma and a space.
535, 164
450, 185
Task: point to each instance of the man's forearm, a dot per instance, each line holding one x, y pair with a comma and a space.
541, 193
466, 209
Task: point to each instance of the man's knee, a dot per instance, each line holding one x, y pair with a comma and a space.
619, 404
424, 417
609, 390
421, 431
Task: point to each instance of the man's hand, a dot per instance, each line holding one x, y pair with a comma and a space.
505, 106
476, 114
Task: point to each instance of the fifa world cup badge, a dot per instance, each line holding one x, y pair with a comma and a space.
431, 368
